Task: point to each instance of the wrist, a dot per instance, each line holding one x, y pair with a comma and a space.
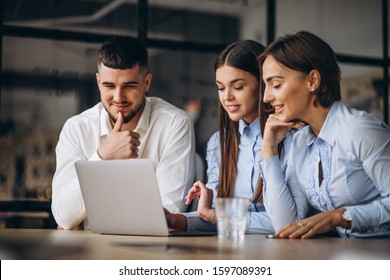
206, 214
214, 218
100, 154
344, 218
269, 151
177, 222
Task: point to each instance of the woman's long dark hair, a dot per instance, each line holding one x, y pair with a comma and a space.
242, 55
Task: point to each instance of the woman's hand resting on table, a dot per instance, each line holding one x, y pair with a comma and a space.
317, 224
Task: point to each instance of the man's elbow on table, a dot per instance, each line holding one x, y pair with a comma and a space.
69, 222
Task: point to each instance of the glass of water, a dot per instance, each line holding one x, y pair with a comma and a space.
231, 217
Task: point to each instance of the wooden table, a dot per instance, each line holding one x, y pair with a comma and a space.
76, 245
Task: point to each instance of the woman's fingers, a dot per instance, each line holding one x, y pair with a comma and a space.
195, 191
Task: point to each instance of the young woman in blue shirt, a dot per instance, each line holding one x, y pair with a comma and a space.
338, 173
234, 151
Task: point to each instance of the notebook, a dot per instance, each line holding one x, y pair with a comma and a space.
122, 197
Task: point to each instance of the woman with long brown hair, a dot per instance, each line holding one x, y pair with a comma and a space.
234, 151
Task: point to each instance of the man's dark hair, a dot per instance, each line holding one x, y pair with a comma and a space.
122, 52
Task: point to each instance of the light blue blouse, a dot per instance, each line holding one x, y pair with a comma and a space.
247, 172
354, 148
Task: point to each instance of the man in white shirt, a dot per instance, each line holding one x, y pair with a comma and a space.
125, 124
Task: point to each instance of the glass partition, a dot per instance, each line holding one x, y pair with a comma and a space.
351, 27
361, 88
187, 80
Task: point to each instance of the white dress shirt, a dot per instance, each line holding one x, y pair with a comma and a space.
167, 138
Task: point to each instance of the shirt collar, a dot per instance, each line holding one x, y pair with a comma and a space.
105, 124
327, 131
144, 120
254, 126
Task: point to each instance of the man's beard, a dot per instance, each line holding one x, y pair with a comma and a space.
131, 115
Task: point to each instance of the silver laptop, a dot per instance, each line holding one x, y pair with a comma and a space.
122, 197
